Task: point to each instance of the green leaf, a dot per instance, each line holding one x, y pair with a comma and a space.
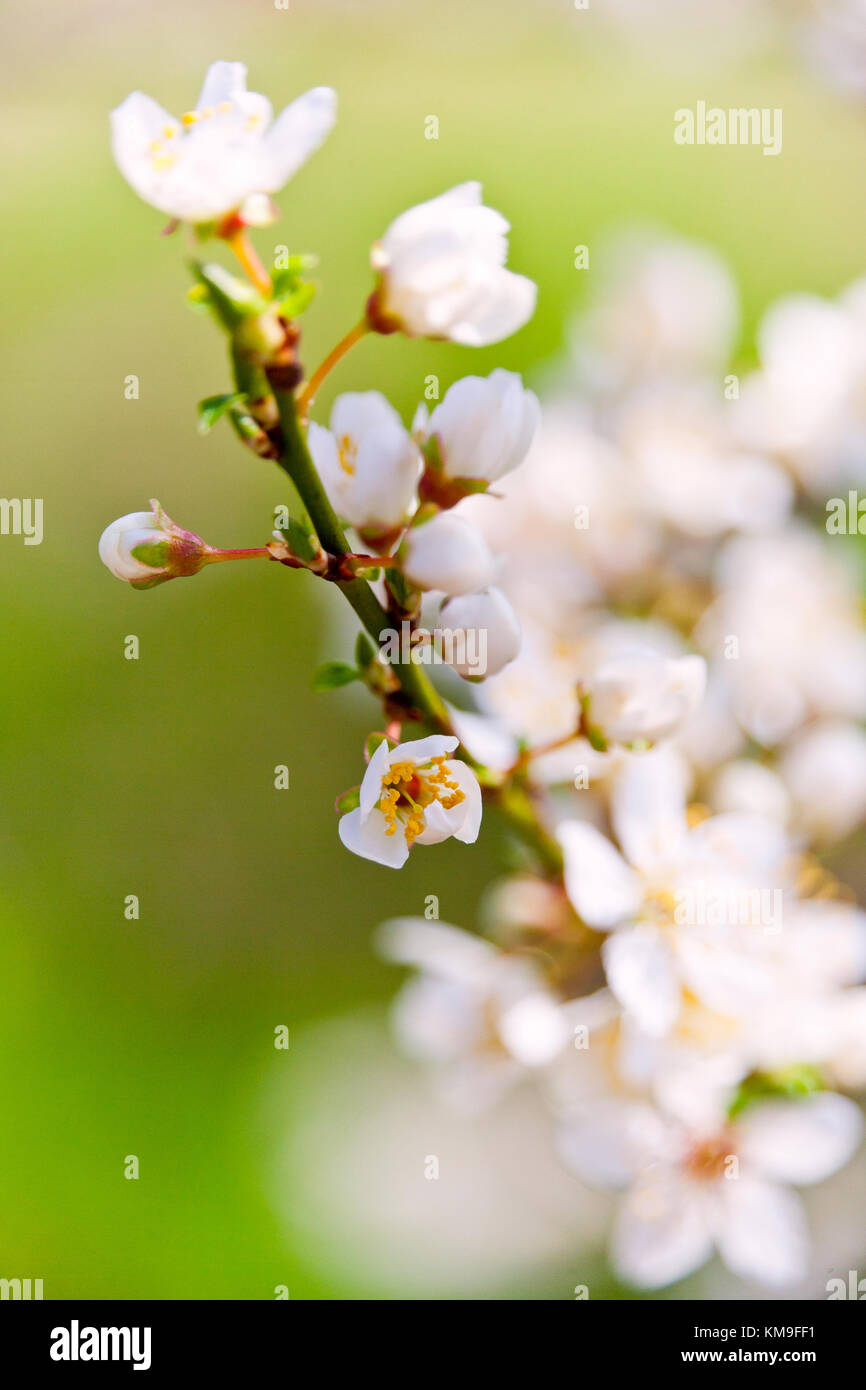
300, 539
231, 300
291, 291
332, 674
399, 587
792, 1083
291, 305
286, 278
213, 408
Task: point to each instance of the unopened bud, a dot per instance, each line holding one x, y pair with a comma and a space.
146, 548
447, 553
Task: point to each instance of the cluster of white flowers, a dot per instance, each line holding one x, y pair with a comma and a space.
690, 994
674, 683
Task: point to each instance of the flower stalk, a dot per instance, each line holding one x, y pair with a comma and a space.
309, 391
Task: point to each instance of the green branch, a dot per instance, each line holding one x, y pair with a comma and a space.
295, 460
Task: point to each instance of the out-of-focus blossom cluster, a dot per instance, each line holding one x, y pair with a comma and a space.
688, 705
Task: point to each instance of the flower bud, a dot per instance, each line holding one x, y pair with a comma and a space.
146, 548
441, 269
492, 622
447, 553
484, 426
643, 696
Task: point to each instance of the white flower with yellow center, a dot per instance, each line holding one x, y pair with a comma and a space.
367, 461
412, 794
224, 156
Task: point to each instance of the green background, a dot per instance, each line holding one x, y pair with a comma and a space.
155, 777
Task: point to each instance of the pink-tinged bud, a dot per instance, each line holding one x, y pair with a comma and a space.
146, 548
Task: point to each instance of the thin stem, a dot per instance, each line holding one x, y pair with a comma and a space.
215, 555
296, 461
308, 394
250, 260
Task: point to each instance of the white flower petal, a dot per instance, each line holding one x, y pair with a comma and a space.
297, 133
801, 1141
223, 81
648, 808
371, 786
599, 883
534, 1029
612, 1142
368, 837
437, 947
641, 971
661, 1233
761, 1231
470, 809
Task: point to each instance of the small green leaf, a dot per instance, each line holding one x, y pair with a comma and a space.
213, 408
292, 305
285, 278
596, 738
300, 540
332, 674
399, 587
792, 1083
231, 300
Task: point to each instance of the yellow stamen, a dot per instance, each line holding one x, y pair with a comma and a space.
410, 789
347, 451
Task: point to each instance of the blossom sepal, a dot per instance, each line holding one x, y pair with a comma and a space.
436, 487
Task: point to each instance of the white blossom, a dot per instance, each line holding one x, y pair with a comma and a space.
221, 156
484, 426
695, 909
447, 553
367, 461
641, 695
146, 548
691, 1187
483, 1017
824, 769
441, 269
666, 308
412, 794
492, 619
786, 633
